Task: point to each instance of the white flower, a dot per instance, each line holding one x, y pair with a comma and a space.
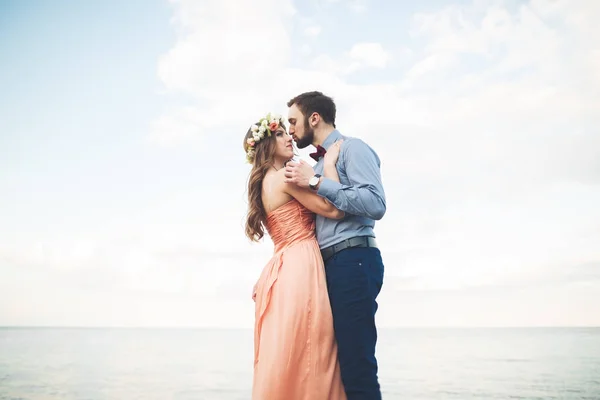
263, 123
254, 128
256, 136
261, 134
263, 128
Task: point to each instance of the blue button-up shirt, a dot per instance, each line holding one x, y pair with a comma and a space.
359, 193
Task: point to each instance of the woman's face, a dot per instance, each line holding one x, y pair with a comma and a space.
284, 148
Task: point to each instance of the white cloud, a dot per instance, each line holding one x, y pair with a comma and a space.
496, 125
430, 63
360, 56
370, 54
357, 6
306, 50
226, 55
312, 31
217, 40
490, 148
181, 125
483, 139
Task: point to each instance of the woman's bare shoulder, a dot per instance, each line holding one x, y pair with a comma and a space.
274, 194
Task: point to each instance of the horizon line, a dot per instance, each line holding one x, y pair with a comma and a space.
250, 328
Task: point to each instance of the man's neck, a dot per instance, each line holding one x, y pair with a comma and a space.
321, 134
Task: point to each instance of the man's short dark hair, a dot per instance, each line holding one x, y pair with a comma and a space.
311, 102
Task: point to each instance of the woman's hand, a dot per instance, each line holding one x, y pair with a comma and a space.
333, 153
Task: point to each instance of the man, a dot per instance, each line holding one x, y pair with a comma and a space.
353, 264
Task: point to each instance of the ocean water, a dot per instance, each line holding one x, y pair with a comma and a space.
181, 364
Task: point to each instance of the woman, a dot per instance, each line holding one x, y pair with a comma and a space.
295, 353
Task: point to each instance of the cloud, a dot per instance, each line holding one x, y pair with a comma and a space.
487, 121
312, 31
177, 126
370, 54
489, 130
357, 6
224, 76
490, 147
361, 56
202, 66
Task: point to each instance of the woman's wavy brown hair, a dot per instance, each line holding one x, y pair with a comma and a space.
256, 219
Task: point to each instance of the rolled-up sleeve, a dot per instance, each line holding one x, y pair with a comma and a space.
365, 195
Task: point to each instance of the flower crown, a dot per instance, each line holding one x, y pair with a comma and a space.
265, 126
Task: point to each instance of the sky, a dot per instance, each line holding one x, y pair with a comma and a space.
123, 178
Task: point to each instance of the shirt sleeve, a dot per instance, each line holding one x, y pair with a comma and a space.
365, 195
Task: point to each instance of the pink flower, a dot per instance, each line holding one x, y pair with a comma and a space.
273, 125
250, 142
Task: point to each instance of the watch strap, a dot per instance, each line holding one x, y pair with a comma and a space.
318, 176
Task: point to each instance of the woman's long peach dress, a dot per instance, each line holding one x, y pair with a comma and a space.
295, 353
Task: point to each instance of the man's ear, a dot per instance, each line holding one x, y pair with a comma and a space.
314, 119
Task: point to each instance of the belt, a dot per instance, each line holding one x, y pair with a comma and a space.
358, 241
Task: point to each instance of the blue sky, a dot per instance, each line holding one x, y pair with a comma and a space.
80, 90
122, 176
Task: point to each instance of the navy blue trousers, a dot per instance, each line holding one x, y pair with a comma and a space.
354, 279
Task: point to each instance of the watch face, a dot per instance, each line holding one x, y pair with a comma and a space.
313, 181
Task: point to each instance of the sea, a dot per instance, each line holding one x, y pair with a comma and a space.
185, 364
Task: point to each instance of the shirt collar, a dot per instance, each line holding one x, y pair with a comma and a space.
331, 139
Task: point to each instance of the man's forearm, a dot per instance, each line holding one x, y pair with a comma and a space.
363, 200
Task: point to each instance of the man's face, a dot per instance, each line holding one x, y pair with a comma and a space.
300, 131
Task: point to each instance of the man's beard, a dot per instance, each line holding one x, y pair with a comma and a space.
309, 136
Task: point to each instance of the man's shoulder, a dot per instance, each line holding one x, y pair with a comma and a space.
356, 141
354, 145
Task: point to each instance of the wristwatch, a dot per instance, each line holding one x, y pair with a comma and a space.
314, 181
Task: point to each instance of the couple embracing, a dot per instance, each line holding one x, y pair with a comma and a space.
315, 300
